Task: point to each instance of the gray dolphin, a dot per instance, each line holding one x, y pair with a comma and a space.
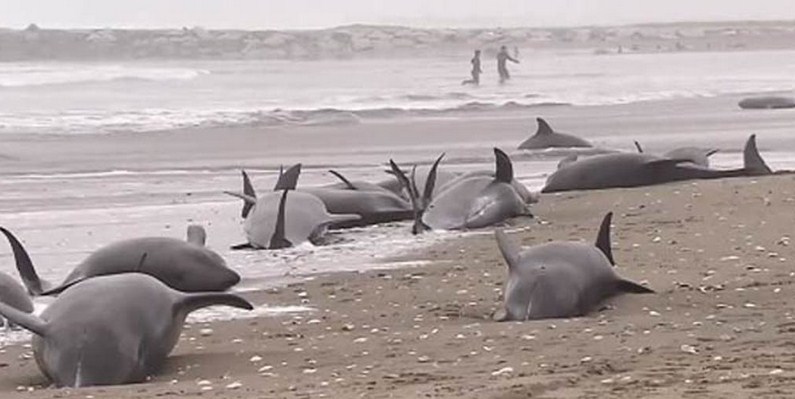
475, 202
633, 170
182, 265
284, 218
13, 294
560, 279
110, 330
373, 203
697, 155
767, 102
545, 137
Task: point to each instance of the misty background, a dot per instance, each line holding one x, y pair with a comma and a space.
304, 14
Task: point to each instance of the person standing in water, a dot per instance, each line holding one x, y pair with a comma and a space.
476, 71
502, 68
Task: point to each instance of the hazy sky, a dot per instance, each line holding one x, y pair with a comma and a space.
269, 14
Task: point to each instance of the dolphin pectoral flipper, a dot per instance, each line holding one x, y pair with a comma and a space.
189, 302
508, 247
278, 239
603, 238
504, 167
752, 160
289, 179
637, 145
631, 287
27, 320
342, 178
27, 272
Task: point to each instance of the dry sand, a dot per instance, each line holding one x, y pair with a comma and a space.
718, 254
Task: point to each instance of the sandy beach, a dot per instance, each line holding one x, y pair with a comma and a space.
717, 253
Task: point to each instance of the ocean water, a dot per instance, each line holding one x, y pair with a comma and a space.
106, 97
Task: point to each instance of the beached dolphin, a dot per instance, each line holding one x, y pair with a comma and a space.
474, 202
560, 279
13, 294
182, 265
545, 137
111, 330
373, 203
767, 102
284, 218
633, 170
697, 155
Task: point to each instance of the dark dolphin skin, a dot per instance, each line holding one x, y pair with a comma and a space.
545, 137
182, 265
633, 170
474, 201
109, 330
767, 102
560, 279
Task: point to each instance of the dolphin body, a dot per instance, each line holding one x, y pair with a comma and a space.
110, 330
545, 137
696, 155
560, 279
472, 202
634, 170
183, 265
767, 102
285, 217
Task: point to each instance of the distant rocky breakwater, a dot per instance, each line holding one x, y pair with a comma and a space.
35, 43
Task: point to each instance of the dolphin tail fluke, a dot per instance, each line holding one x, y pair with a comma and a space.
289, 179
752, 160
632, 288
249, 196
418, 208
508, 247
197, 235
189, 302
34, 284
279, 239
603, 238
29, 321
504, 168
543, 127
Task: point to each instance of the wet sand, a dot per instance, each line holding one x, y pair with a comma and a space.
717, 253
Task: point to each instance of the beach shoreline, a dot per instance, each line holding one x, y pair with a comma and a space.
717, 253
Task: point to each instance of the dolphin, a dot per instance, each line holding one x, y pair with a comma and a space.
111, 330
767, 102
545, 137
374, 204
182, 265
13, 294
697, 155
560, 279
474, 202
284, 218
633, 170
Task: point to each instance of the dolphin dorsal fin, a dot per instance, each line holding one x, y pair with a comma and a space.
196, 235
29, 321
344, 180
278, 239
34, 284
752, 161
637, 145
543, 127
509, 248
603, 238
504, 168
289, 179
189, 302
